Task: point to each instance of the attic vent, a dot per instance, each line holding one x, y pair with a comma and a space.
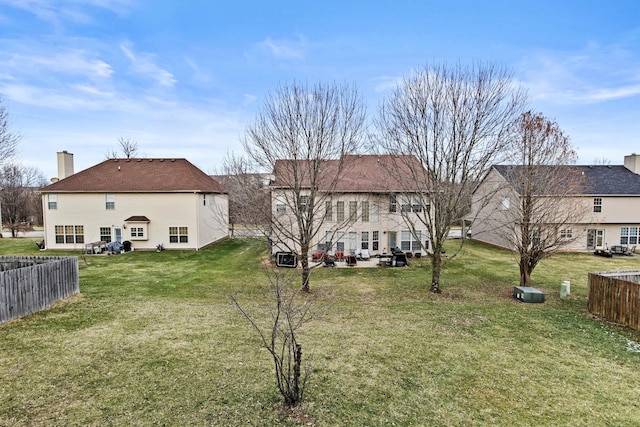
128, 160
115, 160
162, 160
139, 160
151, 160
173, 160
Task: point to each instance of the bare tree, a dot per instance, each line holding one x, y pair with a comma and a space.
19, 196
299, 129
279, 335
249, 198
454, 120
128, 147
8, 139
544, 209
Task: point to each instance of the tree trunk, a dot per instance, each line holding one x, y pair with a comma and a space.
306, 271
436, 266
525, 273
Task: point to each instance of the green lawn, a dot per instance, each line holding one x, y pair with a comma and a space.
153, 339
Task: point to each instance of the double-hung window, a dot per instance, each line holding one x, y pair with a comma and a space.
110, 201
353, 211
339, 211
597, 204
365, 212
375, 236
364, 240
105, 234
178, 234
629, 235
52, 201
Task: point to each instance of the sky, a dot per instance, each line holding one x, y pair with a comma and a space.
184, 78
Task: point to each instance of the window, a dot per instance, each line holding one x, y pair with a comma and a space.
328, 240
375, 240
137, 232
375, 212
410, 241
328, 211
566, 233
505, 204
69, 233
52, 201
281, 206
406, 205
110, 201
629, 235
411, 204
340, 242
353, 211
340, 211
393, 203
178, 234
415, 243
365, 212
303, 203
405, 240
364, 240
105, 234
597, 204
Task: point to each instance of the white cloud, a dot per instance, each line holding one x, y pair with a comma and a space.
144, 65
285, 49
249, 99
593, 75
385, 84
59, 12
70, 62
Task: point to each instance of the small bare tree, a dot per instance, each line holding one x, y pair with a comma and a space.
454, 120
19, 196
8, 139
279, 335
543, 212
299, 129
128, 147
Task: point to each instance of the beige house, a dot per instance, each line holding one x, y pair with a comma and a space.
144, 201
609, 206
370, 207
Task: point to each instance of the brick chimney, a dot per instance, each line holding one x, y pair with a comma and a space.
65, 164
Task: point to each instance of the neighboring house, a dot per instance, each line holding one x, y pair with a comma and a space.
609, 201
145, 201
369, 207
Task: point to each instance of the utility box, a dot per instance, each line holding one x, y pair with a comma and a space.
528, 294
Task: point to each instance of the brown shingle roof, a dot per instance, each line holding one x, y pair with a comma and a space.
138, 175
361, 173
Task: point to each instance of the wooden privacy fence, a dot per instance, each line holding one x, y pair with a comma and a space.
32, 283
615, 296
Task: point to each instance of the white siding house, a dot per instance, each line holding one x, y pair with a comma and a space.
145, 201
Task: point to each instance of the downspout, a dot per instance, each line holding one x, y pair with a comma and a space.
197, 220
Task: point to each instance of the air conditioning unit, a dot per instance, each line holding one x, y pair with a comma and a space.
286, 259
528, 294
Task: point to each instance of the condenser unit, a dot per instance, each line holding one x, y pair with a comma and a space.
528, 294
